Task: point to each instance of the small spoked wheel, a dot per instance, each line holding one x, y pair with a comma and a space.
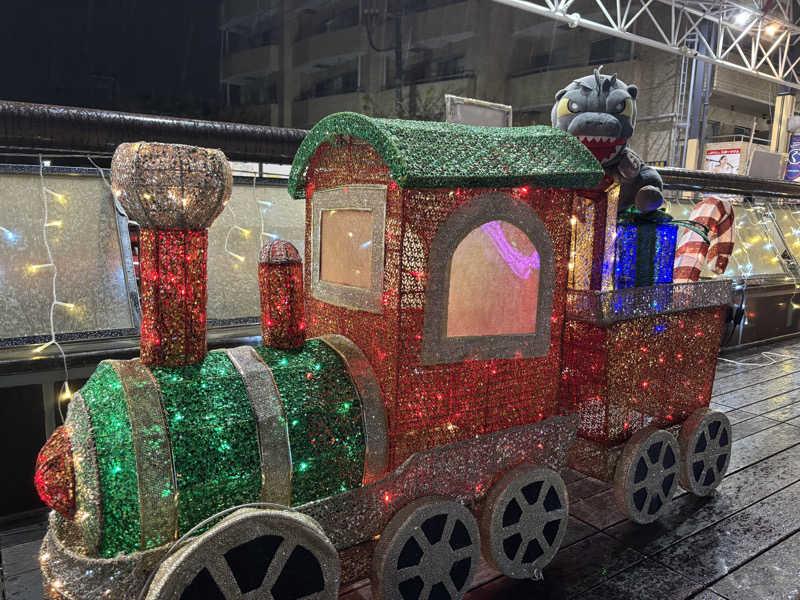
428, 551
705, 443
524, 521
647, 474
253, 553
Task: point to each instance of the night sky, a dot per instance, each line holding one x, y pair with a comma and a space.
154, 56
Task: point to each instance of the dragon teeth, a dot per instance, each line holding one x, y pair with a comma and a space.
596, 138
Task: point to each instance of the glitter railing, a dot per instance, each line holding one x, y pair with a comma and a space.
604, 308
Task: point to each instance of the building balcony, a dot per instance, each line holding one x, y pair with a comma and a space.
534, 89
239, 15
323, 51
258, 114
437, 27
743, 90
306, 112
243, 67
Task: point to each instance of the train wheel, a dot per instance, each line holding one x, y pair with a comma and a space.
647, 474
705, 443
429, 550
273, 554
524, 520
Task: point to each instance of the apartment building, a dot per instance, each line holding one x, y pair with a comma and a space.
290, 63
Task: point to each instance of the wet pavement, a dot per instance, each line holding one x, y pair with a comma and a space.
741, 543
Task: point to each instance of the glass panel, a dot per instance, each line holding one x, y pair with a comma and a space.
254, 216
758, 247
82, 235
494, 283
346, 247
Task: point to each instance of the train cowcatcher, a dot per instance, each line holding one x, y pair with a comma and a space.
448, 345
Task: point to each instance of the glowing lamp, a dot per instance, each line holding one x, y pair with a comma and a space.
280, 283
174, 193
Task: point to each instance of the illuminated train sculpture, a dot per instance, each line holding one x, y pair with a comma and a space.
426, 422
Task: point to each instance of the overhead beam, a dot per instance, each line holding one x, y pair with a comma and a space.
763, 42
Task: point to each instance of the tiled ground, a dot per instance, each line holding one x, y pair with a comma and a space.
743, 543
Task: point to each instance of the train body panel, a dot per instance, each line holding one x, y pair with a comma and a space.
434, 404
170, 446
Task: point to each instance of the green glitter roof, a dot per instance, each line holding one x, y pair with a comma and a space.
435, 154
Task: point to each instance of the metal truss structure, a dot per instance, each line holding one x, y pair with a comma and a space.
759, 37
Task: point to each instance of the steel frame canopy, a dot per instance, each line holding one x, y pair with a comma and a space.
758, 37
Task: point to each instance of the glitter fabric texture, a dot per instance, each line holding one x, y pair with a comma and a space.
593, 238
173, 296
427, 406
155, 470
323, 412
280, 284
651, 370
174, 192
431, 154
82, 534
55, 475
644, 254
116, 461
171, 186
213, 436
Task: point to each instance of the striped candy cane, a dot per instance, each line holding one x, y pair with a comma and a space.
717, 215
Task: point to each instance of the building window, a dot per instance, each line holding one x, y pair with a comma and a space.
495, 256
610, 49
347, 246
490, 284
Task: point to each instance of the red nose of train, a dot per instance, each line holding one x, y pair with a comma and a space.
55, 474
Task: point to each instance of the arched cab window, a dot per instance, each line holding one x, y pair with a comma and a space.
347, 246
490, 284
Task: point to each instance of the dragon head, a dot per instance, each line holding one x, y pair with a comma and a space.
600, 110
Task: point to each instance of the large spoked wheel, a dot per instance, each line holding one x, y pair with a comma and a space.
270, 554
428, 551
524, 521
647, 474
705, 443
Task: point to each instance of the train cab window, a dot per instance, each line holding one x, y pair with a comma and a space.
494, 283
347, 246
490, 286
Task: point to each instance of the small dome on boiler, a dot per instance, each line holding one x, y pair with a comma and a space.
279, 252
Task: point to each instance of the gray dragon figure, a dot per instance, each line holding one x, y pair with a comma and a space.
600, 110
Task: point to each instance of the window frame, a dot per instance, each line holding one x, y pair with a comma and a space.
437, 347
360, 196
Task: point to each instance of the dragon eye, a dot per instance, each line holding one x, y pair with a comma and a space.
573, 106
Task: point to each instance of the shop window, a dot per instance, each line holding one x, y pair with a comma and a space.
489, 292
347, 246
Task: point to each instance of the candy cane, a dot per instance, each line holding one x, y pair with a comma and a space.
717, 215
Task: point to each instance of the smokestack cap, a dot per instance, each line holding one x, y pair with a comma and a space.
171, 186
279, 252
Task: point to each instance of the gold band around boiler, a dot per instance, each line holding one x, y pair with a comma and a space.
82, 533
372, 410
158, 488
273, 432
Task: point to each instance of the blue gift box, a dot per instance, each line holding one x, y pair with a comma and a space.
644, 253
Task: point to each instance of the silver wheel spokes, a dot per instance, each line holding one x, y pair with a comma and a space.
287, 572
538, 502
437, 558
710, 454
653, 477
